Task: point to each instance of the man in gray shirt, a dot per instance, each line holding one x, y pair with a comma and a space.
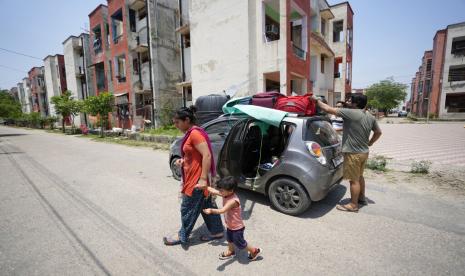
358, 124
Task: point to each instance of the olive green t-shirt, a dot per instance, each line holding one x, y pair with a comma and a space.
358, 124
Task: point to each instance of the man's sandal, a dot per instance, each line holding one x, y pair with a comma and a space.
345, 209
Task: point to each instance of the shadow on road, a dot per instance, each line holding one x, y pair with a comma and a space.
11, 134
322, 207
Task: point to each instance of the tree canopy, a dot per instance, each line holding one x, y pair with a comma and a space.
9, 107
386, 95
66, 106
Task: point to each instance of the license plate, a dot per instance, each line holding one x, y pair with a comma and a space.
338, 160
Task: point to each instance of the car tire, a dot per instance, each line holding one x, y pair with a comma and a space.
288, 196
175, 170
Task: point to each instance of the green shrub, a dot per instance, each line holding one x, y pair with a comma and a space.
377, 163
422, 167
169, 130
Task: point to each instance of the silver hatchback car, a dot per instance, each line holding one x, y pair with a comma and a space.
293, 164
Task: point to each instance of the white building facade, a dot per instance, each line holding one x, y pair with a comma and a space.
452, 100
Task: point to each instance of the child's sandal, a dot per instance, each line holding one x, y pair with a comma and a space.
224, 256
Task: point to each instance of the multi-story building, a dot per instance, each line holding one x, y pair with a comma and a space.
290, 46
55, 79
452, 100
28, 102
249, 46
322, 56
14, 92
155, 59
341, 28
135, 57
79, 78
438, 88
38, 90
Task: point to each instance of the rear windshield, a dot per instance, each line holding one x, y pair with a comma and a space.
321, 132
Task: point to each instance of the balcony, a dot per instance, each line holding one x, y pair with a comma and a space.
318, 42
143, 79
136, 4
299, 52
139, 43
80, 73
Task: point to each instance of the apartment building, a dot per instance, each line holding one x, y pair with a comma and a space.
341, 28
134, 55
438, 88
452, 100
55, 79
423, 84
321, 54
79, 78
245, 47
38, 90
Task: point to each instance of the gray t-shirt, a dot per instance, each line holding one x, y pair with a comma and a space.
358, 125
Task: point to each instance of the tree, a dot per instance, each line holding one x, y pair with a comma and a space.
386, 95
9, 107
67, 107
100, 106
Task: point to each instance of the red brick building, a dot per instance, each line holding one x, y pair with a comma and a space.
38, 90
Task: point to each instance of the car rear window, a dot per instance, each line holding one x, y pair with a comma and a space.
321, 132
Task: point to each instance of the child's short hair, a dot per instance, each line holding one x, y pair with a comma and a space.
228, 183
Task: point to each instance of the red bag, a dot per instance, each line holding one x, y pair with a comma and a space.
266, 99
302, 105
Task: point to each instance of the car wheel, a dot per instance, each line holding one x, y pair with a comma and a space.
288, 196
175, 170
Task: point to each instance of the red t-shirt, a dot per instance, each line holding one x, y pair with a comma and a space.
192, 162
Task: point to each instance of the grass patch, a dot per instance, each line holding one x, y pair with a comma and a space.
377, 163
166, 130
421, 167
125, 141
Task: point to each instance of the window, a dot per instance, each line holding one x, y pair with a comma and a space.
271, 20
117, 25
135, 66
322, 64
321, 132
100, 76
97, 43
219, 131
428, 65
458, 46
457, 73
187, 41
323, 26
428, 86
144, 57
337, 67
120, 68
132, 20
455, 102
338, 31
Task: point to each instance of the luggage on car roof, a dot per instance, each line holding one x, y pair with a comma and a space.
303, 105
209, 107
266, 99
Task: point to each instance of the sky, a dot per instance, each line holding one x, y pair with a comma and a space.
390, 36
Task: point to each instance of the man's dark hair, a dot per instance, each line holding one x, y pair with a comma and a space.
341, 102
359, 100
229, 183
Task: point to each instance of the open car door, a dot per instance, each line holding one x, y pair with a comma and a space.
230, 158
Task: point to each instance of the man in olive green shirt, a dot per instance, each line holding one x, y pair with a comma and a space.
358, 124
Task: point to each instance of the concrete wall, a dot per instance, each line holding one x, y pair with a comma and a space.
27, 95
165, 57
453, 31
219, 46
74, 65
52, 81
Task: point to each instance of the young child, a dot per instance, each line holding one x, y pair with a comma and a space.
232, 216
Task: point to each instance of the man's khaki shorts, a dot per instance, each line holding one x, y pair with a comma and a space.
354, 165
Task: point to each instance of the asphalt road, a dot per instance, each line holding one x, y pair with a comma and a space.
70, 206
